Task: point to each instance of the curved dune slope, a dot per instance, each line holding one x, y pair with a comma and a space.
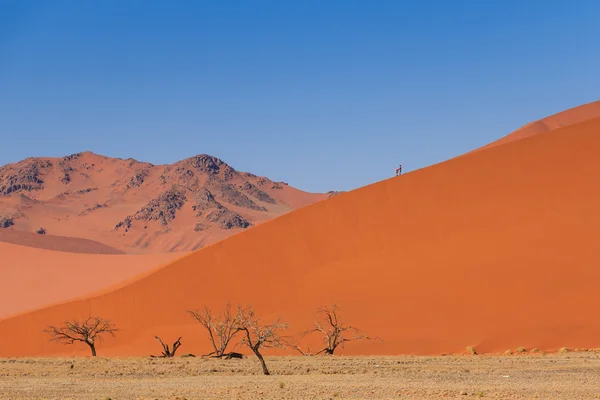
34, 278
56, 243
562, 119
496, 249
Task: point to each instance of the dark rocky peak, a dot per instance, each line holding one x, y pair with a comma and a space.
205, 164
71, 157
131, 162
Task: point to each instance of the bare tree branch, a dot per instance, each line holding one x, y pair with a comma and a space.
166, 352
88, 331
294, 344
221, 329
257, 334
334, 331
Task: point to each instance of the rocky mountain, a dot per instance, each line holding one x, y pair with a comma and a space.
136, 206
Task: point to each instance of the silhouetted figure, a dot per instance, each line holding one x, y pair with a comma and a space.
399, 170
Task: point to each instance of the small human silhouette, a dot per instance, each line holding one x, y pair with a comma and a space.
399, 171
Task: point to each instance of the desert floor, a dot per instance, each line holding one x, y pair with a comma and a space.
551, 376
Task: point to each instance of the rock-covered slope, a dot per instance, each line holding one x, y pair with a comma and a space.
137, 206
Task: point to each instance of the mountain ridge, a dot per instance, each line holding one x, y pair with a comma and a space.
137, 206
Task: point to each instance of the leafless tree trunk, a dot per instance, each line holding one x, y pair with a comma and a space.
169, 352
259, 335
88, 331
221, 329
335, 331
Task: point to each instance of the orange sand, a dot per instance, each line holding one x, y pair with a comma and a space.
56, 243
565, 118
33, 278
495, 249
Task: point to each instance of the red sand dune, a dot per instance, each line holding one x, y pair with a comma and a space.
495, 249
56, 243
34, 278
562, 119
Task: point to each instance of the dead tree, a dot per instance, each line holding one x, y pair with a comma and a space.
258, 335
221, 329
168, 353
335, 331
294, 344
88, 331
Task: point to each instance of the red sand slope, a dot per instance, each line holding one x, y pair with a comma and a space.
56, 243
495, 249
33, 278
562, 119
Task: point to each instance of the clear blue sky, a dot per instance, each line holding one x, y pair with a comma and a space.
325, 95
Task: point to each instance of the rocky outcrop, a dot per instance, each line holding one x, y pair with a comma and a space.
205, 201
95, 207
66, 193
162, 208
72, 157
66, 168
229, 194
187, 172
6, 222
224, 219
86, 190
257, 193
227, 219
125, 224
137, 179
27, 176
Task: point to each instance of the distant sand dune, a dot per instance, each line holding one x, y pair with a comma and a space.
33, 278
56, 243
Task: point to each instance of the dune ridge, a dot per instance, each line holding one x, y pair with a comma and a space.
56, 243
495, 249
564, 118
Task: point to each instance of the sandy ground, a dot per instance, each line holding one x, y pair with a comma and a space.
552, 376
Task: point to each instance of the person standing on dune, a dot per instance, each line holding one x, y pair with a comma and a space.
399, 170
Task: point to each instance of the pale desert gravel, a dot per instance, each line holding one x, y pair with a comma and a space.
550, 376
